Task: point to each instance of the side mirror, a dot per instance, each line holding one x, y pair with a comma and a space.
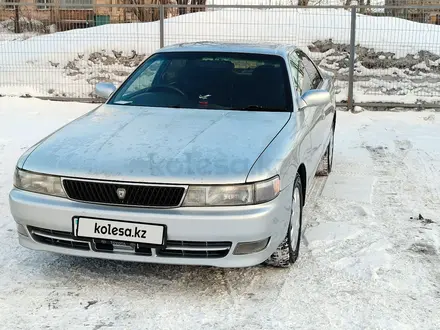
104, 89
314, 98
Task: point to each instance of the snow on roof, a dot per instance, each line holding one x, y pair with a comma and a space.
234, 47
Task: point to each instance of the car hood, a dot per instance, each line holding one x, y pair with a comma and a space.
185, 146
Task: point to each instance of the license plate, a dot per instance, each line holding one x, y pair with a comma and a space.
119, 231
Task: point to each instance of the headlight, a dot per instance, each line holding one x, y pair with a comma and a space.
38, 183
243, 194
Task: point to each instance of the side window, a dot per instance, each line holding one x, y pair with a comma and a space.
145, 78
312, 72
300, 77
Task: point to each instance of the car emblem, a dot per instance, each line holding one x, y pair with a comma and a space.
121, 193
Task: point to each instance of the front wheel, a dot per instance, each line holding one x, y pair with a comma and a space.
287, 252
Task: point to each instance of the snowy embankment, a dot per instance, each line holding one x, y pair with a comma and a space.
397, 60
368, 261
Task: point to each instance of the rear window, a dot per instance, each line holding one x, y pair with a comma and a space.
228, 81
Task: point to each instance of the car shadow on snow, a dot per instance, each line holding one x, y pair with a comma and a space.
79, 271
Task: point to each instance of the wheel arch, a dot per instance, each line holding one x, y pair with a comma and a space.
303, 175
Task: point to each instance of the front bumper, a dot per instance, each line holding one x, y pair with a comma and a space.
52, 217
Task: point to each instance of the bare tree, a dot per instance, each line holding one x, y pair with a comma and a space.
396, 12
148, 14
143, 14
198, 3
182, 10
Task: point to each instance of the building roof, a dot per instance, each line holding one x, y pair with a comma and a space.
207, 46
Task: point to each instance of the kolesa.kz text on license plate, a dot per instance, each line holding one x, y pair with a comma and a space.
118, 230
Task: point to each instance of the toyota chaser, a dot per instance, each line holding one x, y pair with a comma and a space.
204, 155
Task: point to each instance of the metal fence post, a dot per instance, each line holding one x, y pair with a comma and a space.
350, 99
17, 20
161, 25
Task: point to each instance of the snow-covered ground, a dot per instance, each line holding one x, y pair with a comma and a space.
367, 260
397, 60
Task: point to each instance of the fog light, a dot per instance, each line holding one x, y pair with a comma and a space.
21, 230
251, 247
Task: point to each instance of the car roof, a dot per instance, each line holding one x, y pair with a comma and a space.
230, 47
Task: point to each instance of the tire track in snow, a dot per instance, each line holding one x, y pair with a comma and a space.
427, 243
430, 175
405, 188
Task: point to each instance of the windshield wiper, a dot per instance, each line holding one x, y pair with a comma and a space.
259, 108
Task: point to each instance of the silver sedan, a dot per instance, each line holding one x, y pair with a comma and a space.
203, 156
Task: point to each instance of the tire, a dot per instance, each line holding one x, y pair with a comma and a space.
288, 251
326, 164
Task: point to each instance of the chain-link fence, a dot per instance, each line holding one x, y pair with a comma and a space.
383, 54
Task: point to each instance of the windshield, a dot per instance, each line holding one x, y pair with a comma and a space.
209, 81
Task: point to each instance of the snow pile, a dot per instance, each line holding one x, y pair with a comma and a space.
7, 35
25, 24
252, 2
28, 27
285, 2
381, 76
396, 59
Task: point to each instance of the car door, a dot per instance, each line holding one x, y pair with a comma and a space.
313, 80
304, 119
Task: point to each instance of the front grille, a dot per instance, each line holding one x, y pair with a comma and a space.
100, 245
182, 249
188, 249
57, 238
135, 195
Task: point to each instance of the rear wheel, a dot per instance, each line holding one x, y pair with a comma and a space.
288, 251
326, 164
